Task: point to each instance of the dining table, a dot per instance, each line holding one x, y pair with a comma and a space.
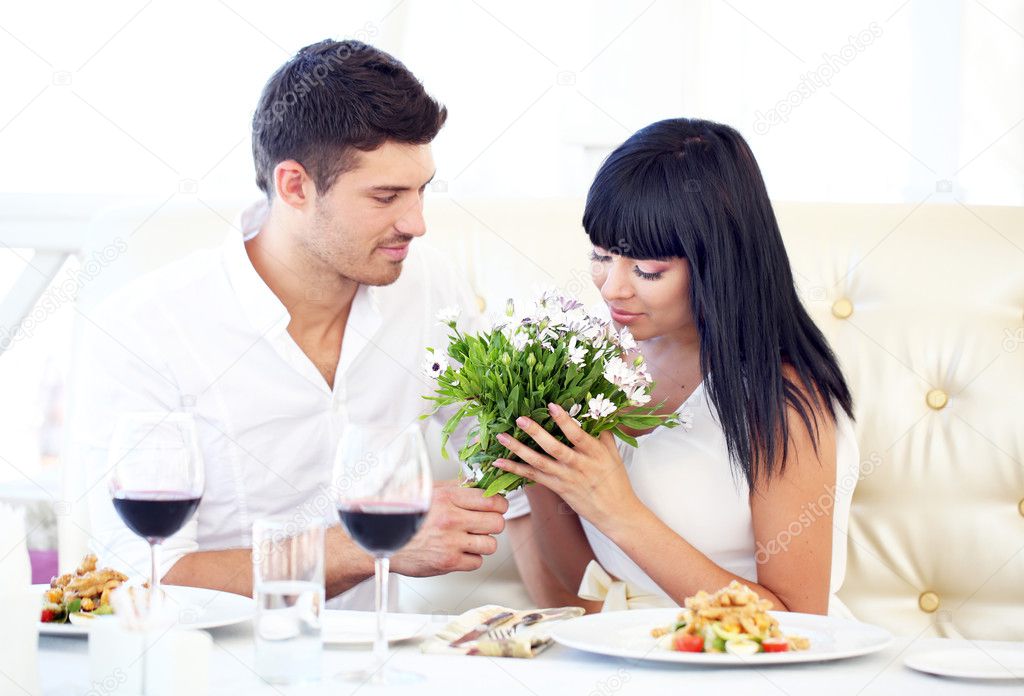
64, 671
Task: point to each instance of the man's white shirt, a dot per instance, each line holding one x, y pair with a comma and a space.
206, 335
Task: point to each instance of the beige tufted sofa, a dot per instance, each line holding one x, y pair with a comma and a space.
924, 305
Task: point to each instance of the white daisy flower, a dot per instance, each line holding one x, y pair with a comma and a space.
626, 340
434, 365
577, 353
575, 319
600, 407
449, 315
593, 331
619, 373
571, 304
643, 375
550, 297
638, 395
520, 340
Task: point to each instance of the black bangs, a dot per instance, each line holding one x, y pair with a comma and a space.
689, 188
632, 208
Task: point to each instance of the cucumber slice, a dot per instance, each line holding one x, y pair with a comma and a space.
724, 634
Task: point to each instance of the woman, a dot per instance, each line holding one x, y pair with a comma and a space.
755, 484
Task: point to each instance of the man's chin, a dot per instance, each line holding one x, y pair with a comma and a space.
380, 276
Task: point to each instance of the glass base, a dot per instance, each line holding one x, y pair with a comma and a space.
381, 676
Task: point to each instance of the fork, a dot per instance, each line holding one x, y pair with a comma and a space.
507, 632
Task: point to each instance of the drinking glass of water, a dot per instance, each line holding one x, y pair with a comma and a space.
382, 486
288, 586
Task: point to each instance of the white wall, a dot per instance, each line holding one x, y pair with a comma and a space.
923, 101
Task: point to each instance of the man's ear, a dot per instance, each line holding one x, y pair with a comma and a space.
293, 185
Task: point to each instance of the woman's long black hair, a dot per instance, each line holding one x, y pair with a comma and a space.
685, 188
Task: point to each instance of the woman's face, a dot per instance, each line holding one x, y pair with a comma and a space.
651, 297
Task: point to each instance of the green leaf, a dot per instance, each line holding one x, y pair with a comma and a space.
628, 439
499, 484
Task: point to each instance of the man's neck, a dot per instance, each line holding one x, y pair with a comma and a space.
315, 295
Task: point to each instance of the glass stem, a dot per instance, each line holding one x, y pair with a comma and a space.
381, 569
154, 576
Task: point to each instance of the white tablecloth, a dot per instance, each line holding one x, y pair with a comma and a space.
64, 672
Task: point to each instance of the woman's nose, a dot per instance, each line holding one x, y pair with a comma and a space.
617, 284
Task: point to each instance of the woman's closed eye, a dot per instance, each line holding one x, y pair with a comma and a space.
598, 257
647, 275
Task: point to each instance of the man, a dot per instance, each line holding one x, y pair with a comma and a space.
314, 315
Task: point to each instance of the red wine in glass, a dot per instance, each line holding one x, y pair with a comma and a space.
382, 491
381, 528
156, 478
155, 515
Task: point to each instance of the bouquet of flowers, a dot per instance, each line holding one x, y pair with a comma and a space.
554, 353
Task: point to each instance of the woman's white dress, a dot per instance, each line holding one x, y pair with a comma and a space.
684, 476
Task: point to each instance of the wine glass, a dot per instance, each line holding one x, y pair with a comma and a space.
382, 487
156, 478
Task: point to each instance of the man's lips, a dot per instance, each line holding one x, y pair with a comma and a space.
395, 253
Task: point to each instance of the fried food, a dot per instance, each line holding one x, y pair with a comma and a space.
734, 619
86, 591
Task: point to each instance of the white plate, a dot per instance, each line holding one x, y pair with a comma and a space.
360, 627
197, 608
628, 634
970, 662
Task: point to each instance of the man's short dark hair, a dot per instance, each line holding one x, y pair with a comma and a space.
332, 99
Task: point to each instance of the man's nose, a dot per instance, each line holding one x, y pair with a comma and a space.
411, 222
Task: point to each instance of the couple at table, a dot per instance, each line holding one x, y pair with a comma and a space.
314, 315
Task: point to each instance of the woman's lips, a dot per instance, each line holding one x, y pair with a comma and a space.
395, 253
623, 317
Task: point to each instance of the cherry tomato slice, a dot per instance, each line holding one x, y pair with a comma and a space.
685, 642
775, 645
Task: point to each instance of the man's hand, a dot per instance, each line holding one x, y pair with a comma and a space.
456, 534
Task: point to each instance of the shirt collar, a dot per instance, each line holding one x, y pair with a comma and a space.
262, 307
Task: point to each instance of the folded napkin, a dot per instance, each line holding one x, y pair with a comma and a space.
525, 641
597, 585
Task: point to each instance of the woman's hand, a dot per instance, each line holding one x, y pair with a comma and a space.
589, 476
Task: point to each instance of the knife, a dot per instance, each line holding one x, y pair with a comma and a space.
482, 628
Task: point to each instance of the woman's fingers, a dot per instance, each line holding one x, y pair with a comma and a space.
546, 440
570, 428
530, 456
609, 442
524, 470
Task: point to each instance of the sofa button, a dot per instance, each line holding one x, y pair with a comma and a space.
481, 303
842, 308
937, 398
928, 601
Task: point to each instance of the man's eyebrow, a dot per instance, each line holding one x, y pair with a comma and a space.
399, 189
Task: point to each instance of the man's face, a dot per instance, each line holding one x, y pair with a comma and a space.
363, 226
